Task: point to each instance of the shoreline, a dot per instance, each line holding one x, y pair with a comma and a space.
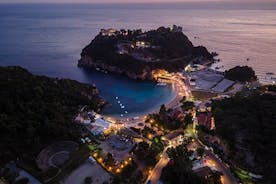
173, 102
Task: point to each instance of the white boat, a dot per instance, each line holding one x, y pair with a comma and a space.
161, 84
122, 115
116, 97
122, 107
119, 102
126, 112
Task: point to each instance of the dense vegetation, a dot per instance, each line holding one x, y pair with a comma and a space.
172, 51
165, 119
248, 125
37, 110
271, 88
148, 153
180, 169
241, 73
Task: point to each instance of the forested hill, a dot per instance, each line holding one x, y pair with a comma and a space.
136, 54
35, 110
248, 125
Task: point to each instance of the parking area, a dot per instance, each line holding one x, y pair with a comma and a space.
206, 79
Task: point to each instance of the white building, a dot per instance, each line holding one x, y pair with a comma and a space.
108, 32
101, 123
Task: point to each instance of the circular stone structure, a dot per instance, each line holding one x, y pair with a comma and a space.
55, 154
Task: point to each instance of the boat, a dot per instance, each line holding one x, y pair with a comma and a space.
116, 97
98, 69
119, 102
126, 112
269, 73
161, 84
122, 115
122, 107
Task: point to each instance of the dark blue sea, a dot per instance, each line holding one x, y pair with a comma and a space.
47, 39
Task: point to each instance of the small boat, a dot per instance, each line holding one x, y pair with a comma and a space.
122, 107
116, 97
122, 115
119, 102
161, 84
126, 112
98, 69
269, 73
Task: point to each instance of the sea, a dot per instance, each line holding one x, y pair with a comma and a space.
47, 39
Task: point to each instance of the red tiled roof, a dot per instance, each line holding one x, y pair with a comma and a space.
205, 119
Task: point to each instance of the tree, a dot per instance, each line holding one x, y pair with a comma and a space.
88, 180
163, 110
187, 105
181, 169
22, 181
241, 73
109, 159
188, 119
183, 99
200, 151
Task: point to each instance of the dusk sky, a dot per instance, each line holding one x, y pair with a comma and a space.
126, 1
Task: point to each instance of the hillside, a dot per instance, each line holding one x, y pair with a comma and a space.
248, 125
37, 110
137, 54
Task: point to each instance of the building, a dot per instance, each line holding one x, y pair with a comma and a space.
95, 130
108, 32
142, 44
223, 85
204, 172
206, 120
99, 126
101, 123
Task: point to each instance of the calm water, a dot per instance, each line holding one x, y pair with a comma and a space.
47, 39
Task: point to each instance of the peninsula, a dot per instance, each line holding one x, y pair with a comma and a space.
140, 55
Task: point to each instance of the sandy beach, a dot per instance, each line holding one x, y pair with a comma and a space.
180, 90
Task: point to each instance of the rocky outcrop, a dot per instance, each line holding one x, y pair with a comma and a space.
136, 54
87, 62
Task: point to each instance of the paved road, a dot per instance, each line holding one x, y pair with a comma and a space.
227, 177
157, 171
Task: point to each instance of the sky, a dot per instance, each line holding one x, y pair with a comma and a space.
127, 1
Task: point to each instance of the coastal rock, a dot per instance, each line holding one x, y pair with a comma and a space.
136, 54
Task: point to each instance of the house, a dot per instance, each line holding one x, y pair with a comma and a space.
206, 120
108, 32
204, 172
142, 44
178, 115
95, 130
